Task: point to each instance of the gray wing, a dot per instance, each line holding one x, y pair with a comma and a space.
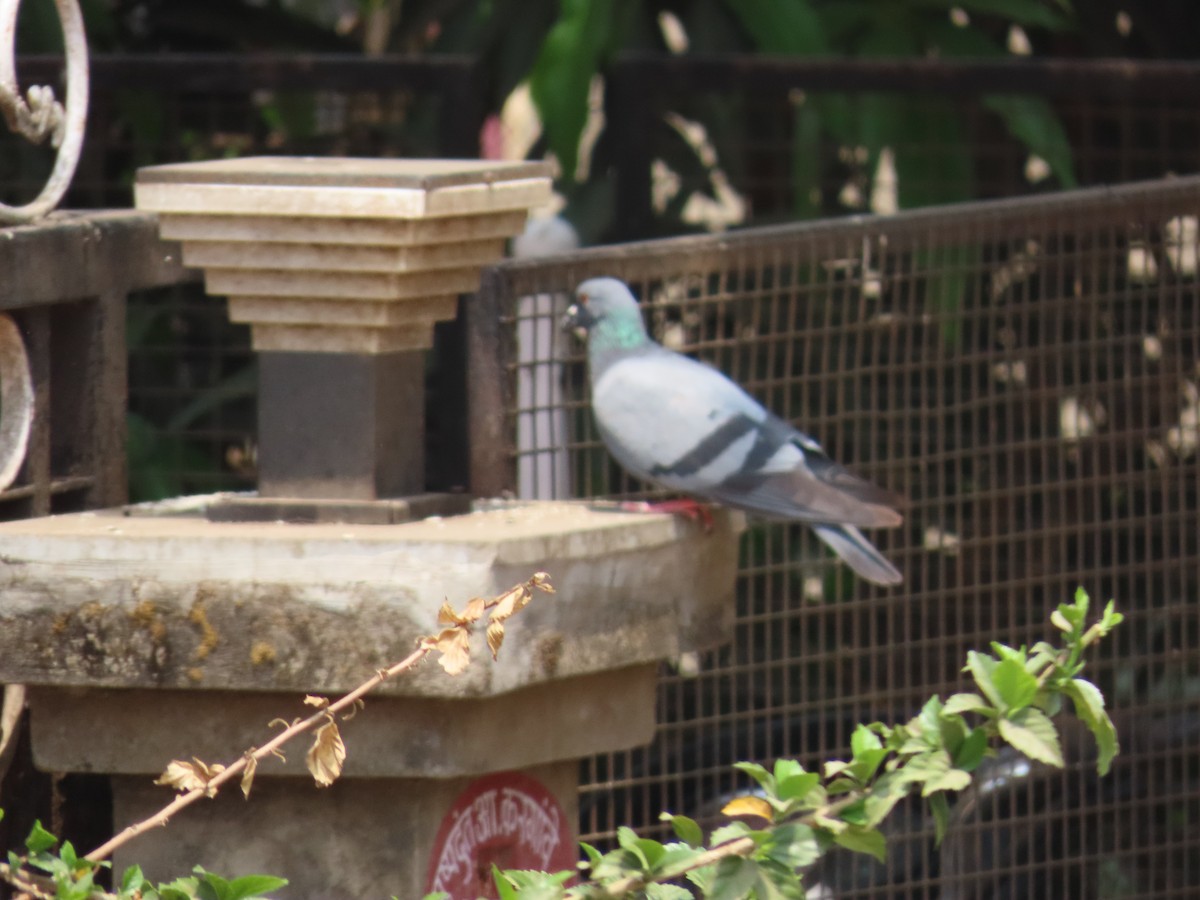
679, 423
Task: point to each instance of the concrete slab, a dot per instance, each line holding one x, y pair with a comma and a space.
106, 600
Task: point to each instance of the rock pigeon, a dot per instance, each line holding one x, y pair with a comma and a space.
676, 422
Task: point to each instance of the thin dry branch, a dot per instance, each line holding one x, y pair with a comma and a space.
503, 606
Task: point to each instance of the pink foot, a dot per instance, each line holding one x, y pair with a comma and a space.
692, 510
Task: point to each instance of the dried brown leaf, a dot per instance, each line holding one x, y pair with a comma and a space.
455, 647
495, 637
248, 775
541, 581
190, 776
511, 601
325, 757
318, 702
474, 610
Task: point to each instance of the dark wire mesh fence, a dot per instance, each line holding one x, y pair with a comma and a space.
190, 370
1027, 374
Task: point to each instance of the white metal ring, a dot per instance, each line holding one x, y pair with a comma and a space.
16, 400
75, 42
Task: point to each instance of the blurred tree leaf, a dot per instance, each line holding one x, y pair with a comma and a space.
789, 27
1033, 122
562, 75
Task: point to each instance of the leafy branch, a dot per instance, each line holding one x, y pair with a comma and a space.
46, 874
805, 814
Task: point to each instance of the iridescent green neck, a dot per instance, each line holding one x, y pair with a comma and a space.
624, 331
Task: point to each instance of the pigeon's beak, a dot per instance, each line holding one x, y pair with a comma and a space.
578, 320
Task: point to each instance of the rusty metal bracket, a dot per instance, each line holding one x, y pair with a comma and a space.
39, 115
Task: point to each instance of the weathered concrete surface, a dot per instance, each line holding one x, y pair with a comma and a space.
356, 839
104, 600
393, 737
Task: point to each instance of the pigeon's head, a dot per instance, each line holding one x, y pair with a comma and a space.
606, 305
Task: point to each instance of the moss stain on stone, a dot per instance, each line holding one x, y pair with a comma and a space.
262, 653
208, 635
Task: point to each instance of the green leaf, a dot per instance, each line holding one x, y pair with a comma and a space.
794, 846
790, 27
1082, 601
132, 880
1016, 687
248, 886
687, 830
1033, 734
504, 888
961, 703
797, 787
562, 74
940, 807
864, 840
646, 850
863, 740
981, 666
533, 885
734, 879
210, 886
1089, 706
888, 790
39, 840
972, 750
786, 768
777, 881
179, 889
665, 892
594, 856
729, 832
764, 778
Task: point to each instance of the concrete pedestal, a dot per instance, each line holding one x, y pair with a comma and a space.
170, 636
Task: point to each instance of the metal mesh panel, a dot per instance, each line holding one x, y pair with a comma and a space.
1026, 373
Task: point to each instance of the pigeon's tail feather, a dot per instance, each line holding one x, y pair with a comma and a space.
858, 553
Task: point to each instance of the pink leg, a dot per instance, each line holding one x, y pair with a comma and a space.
690, 509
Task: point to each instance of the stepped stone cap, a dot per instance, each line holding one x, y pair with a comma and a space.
340, 254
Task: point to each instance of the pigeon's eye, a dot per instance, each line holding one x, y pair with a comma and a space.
582, 298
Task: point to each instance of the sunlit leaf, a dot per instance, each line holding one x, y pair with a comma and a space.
1016, 687
1033, 734
687, 830
1089, 706
39, 840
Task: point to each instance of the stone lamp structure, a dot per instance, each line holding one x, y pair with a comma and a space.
182, 629
341, 267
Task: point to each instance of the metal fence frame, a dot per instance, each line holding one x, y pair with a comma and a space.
1029, 547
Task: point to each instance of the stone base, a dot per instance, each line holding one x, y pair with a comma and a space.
393, 737
358, 838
